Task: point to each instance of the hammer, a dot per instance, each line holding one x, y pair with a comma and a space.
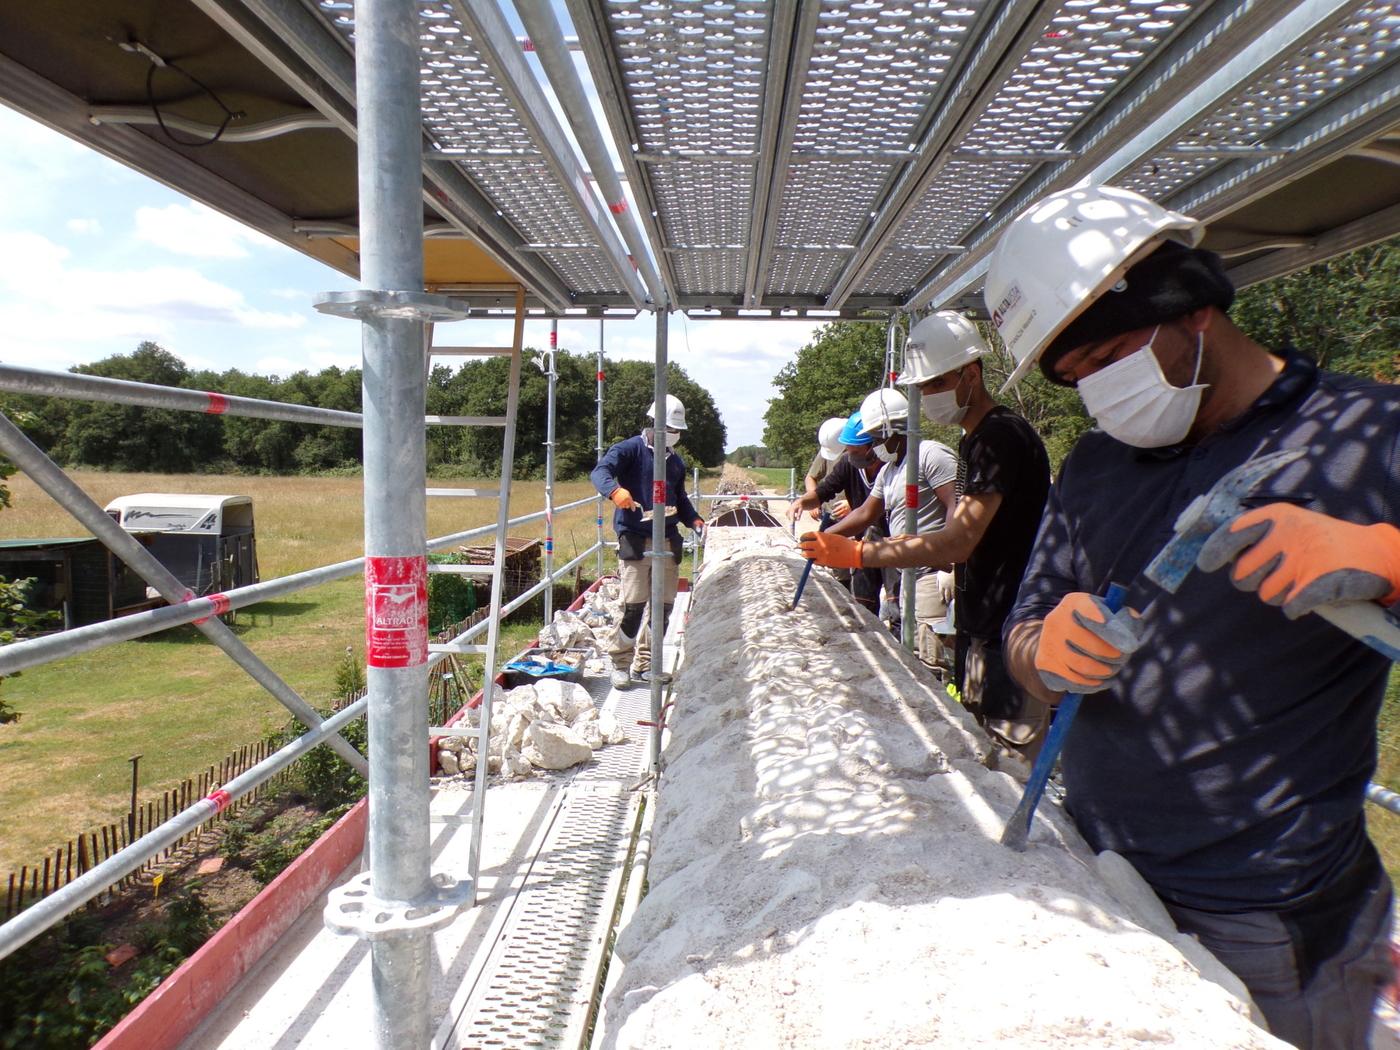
1364, 621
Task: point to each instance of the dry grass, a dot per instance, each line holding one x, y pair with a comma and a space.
176, 699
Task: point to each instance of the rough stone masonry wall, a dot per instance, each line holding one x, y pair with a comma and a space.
826, 870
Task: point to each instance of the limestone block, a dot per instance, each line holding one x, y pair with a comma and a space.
550, 745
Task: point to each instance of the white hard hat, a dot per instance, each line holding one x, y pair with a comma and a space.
829, 438
1062, 252
939, 344
881, 409
675, 413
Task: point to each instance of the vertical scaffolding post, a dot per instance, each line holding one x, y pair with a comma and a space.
908, 578
658, 537
695, 551
600, 450
392, 309
551, 379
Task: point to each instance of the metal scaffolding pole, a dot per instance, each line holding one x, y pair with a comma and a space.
601, 500
50, 477
908, 578
551, 376
695, 550
395, 482
658, 538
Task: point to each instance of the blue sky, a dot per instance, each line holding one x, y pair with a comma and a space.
95, 257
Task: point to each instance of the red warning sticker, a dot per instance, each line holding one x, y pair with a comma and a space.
396, 611
658, 493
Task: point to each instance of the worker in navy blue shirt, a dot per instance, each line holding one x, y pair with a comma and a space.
624, 475
1227, 735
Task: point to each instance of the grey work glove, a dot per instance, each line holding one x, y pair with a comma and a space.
1083, 644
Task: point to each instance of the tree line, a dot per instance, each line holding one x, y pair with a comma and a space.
1342, 312
127, 438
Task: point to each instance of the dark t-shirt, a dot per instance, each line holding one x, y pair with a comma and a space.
844, 479
1229, 759
1003, 455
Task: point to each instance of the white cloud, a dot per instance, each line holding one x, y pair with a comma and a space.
47, 303
196, 231
84, 226
293, 294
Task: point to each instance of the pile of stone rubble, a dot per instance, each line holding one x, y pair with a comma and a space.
549, 724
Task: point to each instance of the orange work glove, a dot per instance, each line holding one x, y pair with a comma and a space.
1083, 644
1300, 559
837, 552
623, 499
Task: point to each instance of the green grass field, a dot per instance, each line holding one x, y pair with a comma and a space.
176, 699
773, 477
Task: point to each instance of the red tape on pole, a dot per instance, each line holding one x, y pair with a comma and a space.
221, 606
220, 798
600, 377
911, 496
658, 494
618, 208
396, 611
218, 404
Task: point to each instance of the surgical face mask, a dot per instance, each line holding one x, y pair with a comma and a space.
883, 453
671, 437
1132, 401
943, 407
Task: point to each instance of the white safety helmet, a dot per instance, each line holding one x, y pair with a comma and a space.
675, 413
1062, 252
829, 438
883, 412
939, 344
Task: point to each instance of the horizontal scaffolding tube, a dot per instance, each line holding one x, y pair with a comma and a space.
17, 380
1383, 797
58, 905
516, 602
32, 652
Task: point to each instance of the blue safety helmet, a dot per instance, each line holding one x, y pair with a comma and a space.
851, 435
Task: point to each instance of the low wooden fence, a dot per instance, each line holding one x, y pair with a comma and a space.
35, 881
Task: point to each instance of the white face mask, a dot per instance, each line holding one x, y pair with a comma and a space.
1132, 401
650, 435
883, 454
943, 406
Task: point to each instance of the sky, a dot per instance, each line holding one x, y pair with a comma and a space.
95, 258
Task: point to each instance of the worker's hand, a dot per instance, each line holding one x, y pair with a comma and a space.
1083, 644
1300, 559
623, 499
797, 506
947, 586
840, 509
836, 552
698, 526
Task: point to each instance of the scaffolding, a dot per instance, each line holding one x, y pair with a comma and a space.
803, 158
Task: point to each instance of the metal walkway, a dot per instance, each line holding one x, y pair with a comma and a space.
521, 969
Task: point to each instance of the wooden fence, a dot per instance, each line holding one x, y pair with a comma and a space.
35, 881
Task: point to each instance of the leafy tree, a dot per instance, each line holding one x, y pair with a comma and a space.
630, 390
829, 377
124, 437
1342, 312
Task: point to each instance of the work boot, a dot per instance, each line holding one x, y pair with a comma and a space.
619, 678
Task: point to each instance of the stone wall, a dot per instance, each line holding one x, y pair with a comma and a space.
826, 870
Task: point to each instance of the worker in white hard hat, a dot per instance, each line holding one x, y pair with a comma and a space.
624, 475
847, 484
884, 414
1004, 476
1228, 734
829, 450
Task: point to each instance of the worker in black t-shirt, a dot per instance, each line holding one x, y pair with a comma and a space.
1005, 477
848, 482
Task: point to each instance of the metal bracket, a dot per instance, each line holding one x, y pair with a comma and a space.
367, 304
354, 909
